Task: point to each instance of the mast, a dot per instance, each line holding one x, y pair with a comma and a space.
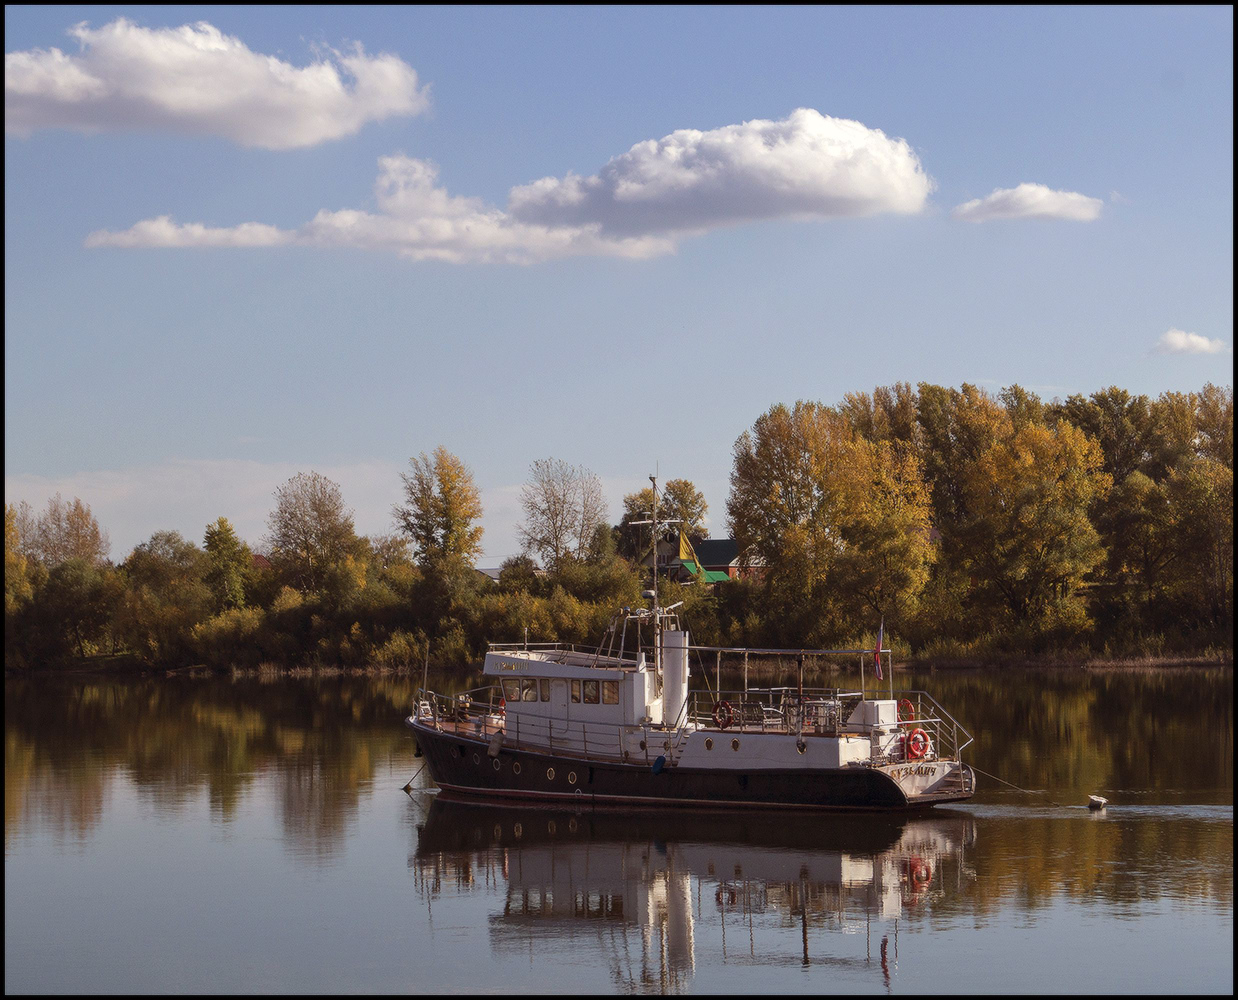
657, 620
655, 610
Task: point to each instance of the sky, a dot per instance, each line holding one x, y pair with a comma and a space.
245, 242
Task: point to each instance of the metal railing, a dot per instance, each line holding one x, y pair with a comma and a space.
811, 712
477, 715
829, 712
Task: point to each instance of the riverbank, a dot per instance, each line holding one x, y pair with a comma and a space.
758, 669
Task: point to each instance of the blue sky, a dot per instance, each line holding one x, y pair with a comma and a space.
167, 382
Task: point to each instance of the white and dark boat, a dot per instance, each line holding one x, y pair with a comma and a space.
621, 724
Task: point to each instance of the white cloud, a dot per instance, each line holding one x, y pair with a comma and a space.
1176, 341
163, 232
806, 166
194, 79
1030, 201
639, 205
415, 219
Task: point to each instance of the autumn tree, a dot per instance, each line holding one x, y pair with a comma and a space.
310, 530
563, 505
1215, 421
65, 530
17, 585
228, 563
840, 524
1027, 536
680, 501
441, 509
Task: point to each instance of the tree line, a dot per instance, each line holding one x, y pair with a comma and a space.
973, 524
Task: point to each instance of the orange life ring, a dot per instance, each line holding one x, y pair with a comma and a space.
724, 715
917, 744
906, 710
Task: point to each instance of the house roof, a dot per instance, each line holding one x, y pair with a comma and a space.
717, 551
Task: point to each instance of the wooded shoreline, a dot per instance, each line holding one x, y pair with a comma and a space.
975, 530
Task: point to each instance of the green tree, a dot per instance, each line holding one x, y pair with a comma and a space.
1202, 498
441, 508
1141, 537
229, 563
71, 612
310, 531
1027, 537
1119, 422
166, 595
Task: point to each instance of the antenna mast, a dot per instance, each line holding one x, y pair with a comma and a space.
657, 614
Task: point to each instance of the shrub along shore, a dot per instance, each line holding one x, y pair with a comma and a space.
984, 530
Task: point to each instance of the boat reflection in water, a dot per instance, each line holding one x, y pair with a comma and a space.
650, 891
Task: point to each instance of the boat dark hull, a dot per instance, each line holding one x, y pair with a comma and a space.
463, 765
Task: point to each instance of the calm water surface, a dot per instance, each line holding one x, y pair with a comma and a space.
208, 834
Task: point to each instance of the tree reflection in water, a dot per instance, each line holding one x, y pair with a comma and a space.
667, 899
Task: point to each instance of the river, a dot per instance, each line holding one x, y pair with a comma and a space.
251, 834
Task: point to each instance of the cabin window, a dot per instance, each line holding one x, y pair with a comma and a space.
545, 684
528, 689
511, 690
575, 692
591, 692
610, 692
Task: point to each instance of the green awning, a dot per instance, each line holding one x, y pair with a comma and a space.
711, 575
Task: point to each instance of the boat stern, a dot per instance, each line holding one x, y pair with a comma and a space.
930, 782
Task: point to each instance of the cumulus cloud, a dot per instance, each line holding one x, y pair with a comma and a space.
807, 166
1176, 341
1030, 201
194, 79
416, 219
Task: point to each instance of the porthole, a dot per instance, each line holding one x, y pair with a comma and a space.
550, 774
571, 826
734, 744
498, 832
496, 763
552, 828
518, 830
516, 767
571, 777
476, 758
709, 743
455, 751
